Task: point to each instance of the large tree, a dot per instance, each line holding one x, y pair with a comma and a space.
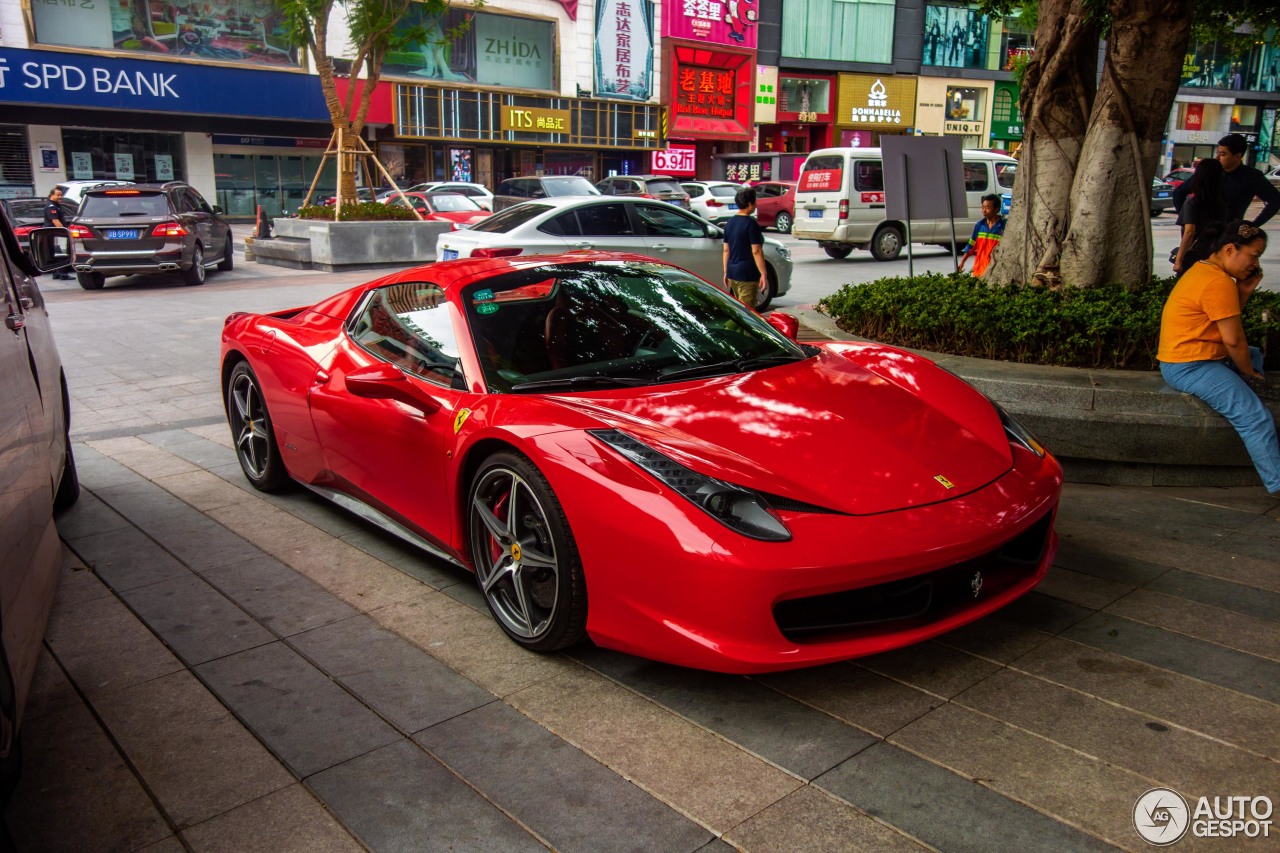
374, 27
1091, 141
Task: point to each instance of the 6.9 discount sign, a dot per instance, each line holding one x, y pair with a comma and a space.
676, 160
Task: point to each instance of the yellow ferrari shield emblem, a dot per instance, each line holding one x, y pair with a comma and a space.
944, 481
459, 419
515, 551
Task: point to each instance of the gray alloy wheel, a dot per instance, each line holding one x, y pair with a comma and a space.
251, 430
783, 222
887, 243
197, 273
526, 562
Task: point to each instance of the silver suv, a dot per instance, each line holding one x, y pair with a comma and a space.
516, 190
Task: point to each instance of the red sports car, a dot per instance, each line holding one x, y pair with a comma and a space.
620, 450
441, 207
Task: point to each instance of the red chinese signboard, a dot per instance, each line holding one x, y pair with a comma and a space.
822, 179
710, 93
676, 160
1195, 117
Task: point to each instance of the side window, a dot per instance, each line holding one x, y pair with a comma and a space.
868, 176
1006, 174
604, 220
183, 203
536, 190
564, 225
409, 325
668, 222
511, 188
693, 191
975, 177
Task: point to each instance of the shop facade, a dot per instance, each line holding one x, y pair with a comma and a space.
802, 111
1006, 118
955, 107
871, 106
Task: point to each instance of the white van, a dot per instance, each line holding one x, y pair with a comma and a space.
840, 202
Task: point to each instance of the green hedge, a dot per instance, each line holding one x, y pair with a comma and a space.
1097, 327
365, 211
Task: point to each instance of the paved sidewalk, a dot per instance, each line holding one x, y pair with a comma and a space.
226, 670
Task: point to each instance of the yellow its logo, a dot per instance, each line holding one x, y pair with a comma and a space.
515, 551
944, 481
459, 419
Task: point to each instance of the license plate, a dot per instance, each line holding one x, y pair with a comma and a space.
1162, 195
449, 255
815, 214
732, 206
121, 234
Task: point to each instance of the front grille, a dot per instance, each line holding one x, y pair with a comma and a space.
915, 601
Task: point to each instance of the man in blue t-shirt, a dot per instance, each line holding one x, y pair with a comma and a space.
744, 268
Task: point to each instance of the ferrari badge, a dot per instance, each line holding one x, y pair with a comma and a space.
943, 480
459, 419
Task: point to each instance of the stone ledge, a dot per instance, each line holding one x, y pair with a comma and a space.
342, 246
1105, 426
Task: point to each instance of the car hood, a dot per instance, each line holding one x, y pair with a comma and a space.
861, 431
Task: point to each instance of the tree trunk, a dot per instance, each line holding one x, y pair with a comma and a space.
1081, 209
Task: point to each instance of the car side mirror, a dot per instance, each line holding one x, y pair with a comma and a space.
786, 324
217, 210
50, 249
714, 233
387, 382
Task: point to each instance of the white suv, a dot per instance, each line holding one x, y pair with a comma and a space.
72, 191
714, 201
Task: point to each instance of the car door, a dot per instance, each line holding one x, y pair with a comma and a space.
604, 227
399, 345
679, 238
198, 222
218, 229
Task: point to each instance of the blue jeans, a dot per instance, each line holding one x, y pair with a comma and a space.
1222, 387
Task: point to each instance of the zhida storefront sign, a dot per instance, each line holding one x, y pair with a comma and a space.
710, 92
870, 102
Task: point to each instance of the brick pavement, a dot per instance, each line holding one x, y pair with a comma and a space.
227, 670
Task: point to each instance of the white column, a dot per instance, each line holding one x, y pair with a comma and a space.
199, 157
46, 181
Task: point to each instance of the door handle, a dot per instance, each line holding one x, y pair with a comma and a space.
583, 245
14, 322
661, 247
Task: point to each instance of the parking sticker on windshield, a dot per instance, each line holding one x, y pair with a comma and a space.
485, 295
487, 308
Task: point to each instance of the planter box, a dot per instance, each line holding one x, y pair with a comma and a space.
333, 246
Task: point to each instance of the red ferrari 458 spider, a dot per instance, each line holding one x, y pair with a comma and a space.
619, 450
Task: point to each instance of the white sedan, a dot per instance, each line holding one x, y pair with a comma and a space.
640, 226
714, 201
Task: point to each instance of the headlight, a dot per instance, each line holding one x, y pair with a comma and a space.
1018, 433
783, 251
739, 509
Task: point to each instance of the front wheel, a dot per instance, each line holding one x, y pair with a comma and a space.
252, 432
886, 245
526, 562
764, 295
783, 223
196, 274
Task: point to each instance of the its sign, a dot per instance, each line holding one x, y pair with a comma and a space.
883, 103
533, 120
676, 160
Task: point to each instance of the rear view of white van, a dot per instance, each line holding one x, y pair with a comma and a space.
840, 202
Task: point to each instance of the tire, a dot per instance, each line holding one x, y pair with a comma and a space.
839, 253
252, 432
526, 562
1155, 213
228, 261
91, 280
765, 296
69, 486
196, 274
783, 222
886, 244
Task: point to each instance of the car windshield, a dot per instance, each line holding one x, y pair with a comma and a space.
512, 217
664, 187
112, 203
451, 202
27, 208
725, 191
613, 323
568, 185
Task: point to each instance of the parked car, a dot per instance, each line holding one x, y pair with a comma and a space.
27, 214
1161, 196
776, 204
714, 201
149, 228
1273, 176
442, 207
636, 225
1177, 176
424, 187
620, 451
73, 191
478, 193
37, 479
661, 187
363, 194
517, 190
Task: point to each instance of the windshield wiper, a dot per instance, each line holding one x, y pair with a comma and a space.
737, 365
578, 382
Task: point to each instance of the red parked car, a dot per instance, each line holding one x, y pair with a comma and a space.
1177, 176
618, 449
442, 207
776, 204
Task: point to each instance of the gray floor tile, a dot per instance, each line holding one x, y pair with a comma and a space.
945, 810
97, 471
401, 682
398, 798
199, 541
199, 623
1179, 653
1262, 547
792, 735
89, 516
304, 718
568, 798
413, 562
126, 558
197, 450
143, 502
1238, 598
1044, 613
1087, 556
284, 601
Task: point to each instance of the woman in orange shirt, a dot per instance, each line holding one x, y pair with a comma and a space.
1203, 351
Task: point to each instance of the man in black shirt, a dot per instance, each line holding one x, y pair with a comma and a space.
53, 219
745, 273
1240, 185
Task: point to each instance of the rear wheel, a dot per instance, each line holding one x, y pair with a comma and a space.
526, 562
837, 252
228, 261
69, 486
783, 222
91, 280
252, 432
197, 273
886, 245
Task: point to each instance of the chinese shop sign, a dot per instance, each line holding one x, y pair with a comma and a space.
711, 93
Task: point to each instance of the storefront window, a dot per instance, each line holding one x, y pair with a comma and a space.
570, 163
853, 30
955, 36
800, 95
15, 164
278, 183
1223, 65
226, 30
963, 104
113, 154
